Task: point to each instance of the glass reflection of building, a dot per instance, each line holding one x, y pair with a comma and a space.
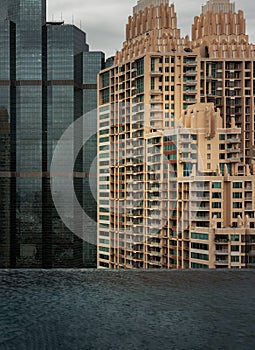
44, 85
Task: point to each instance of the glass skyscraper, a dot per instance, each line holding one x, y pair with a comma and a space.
47, 80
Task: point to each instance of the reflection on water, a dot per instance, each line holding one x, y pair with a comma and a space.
81, 309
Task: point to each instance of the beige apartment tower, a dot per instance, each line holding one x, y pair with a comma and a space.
176, 154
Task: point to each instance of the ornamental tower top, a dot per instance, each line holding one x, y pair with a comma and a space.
218, 6
142, 4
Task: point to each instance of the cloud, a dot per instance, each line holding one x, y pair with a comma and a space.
105, 21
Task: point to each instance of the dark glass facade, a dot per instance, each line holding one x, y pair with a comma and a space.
5, 237
47, 80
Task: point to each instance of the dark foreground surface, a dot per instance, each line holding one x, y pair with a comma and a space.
81, 309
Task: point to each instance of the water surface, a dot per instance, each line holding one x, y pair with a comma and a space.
92, 309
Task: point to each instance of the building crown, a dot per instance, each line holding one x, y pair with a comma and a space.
142, 4
218, 6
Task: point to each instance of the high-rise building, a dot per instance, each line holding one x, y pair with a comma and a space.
5, 199
176, 143
48, 79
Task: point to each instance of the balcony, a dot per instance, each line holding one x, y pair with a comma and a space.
233, 150
156, 91
234, 140
156, 72
197, 208
234, 159
197, 198
202, 218
190, 100
190, 63
190, 82
221, 240
156, 263
190, 72
221, 252
154, 253
248, 196
190, 91
187, 158
204, 188
154, 244
222, 262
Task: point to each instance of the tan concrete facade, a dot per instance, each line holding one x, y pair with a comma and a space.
176, 143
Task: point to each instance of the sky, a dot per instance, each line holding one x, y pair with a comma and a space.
104, 21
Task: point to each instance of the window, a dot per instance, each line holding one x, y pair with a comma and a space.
236, 215
104, 256
216, 195
235, 238
104, 202
199, 266
104, 139
140, 67
202, 236
216, 205
237, 205
140, 85
235, 258
104, 217
104, 116
106, 96
105, 79
216, 185
237, 195
237, 184
200, 256
104, 249
152, 83
104, 178
235, 248
104, 155
209, 147
201, 246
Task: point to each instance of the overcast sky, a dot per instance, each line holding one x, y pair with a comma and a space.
104, 21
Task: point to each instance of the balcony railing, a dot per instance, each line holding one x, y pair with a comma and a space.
221, 262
